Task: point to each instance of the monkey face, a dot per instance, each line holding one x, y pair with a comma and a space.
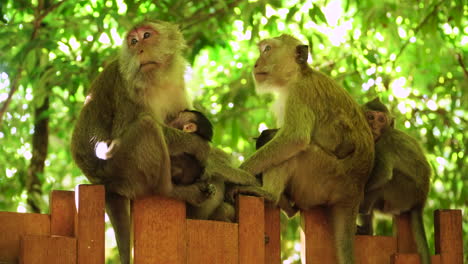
276, 65
378, 122
149, 47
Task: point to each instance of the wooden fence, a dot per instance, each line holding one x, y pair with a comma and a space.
73, 232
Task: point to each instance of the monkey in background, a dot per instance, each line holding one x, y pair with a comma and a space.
124, 114
324, 151
399, 181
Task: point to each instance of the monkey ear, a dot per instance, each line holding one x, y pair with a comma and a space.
392, 122
302, 53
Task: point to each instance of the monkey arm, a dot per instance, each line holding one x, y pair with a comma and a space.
219, 165
292, 138
382, 172
181, 142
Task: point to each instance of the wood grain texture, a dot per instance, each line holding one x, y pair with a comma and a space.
212, 242
448, 236
48, 250
404, 234
273, 234
316, 237
62, 213
405, 259
89, 224
251, 217
374, 249
159, 233
15, 225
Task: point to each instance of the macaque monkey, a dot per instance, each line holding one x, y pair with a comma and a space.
185, 168
399, 181
120, 139
323, 152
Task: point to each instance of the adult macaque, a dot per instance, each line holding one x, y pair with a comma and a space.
399, 181
324, 151
125, 112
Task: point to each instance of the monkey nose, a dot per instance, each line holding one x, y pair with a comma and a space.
141, 51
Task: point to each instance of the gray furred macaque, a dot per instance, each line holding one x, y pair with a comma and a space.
120, 139
323, 152
400, 179
219, 170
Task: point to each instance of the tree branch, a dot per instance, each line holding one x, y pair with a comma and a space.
418, 28
14, 85
208, 16
462, 64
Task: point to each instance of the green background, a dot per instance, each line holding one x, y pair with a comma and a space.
412, 54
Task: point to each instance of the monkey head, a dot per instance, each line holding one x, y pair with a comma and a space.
148, 47
279, 62
378, 117
192, 121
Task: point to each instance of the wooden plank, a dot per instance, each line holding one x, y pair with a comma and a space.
405, 259
48, 250
13, 226
62, 213
212, 242
448, 236
159, 231
273, 235
436, 259
251, 217
374, 249
89, 223
404, 234
316, 237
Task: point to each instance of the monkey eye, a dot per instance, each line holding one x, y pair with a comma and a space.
133, 41
381, 119
370, 117
146, 35
266, 48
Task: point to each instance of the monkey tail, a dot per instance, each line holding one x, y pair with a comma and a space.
419, 234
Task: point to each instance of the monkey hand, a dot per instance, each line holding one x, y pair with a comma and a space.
194, 194
209, 190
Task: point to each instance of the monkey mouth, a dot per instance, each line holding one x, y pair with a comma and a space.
146, 63
260, 76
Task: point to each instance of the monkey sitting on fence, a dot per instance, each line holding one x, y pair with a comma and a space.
399, 181
323, 152
125, 113
219, 170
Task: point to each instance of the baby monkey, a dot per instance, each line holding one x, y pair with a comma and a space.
185, 168
399, 181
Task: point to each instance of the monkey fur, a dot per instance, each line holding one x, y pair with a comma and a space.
186, 169
284, 202
400, 179
219, 170
125, 110
324, 151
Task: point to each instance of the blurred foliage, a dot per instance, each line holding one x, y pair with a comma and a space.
412, 54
